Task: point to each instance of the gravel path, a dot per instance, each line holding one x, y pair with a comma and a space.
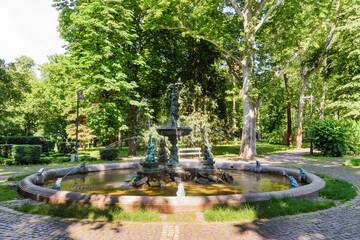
341, 222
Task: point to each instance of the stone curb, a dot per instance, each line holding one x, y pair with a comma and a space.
163, 204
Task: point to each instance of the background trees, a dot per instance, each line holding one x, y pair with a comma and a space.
249, 62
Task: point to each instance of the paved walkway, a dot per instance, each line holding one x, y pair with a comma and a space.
341, 222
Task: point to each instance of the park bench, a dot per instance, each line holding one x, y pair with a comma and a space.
189, 152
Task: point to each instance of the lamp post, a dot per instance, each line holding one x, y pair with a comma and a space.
311, 97
80, 96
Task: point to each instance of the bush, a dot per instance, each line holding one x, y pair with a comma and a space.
51, 145
5, 150
275, 137
22, 140
109, 153
66, 147
26, 154
334, 138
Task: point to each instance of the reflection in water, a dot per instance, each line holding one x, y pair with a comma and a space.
113, 183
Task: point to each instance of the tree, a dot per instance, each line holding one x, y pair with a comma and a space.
233, 31
105, 45
343, 65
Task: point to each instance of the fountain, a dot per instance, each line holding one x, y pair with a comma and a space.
165, 184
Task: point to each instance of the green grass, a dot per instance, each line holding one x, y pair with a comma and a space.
352, 163
19, 177
6, 193
86, 211
335, 189
262, 148
270, 208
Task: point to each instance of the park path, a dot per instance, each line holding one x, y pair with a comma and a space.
341, 222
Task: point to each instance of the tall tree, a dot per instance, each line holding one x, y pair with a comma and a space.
231, 25
105, 45
343, 65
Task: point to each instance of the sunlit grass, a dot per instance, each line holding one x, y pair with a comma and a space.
86, 211
262, 148
6, 193
335, 189
352, 163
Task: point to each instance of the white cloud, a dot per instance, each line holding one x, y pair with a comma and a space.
29, 27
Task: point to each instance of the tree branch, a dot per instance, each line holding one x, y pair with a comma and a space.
261, 8
237, 8
265, 17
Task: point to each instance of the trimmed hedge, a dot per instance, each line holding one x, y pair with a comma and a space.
109, 153
21, 140
26, 154
66, 147
5, 150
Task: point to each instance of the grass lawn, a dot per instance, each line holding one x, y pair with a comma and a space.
352, 163
262, 148
7, 193
335, 189
86, 211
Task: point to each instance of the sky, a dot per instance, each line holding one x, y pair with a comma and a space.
29, 27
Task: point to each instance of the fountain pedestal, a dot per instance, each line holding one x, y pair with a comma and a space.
174, 133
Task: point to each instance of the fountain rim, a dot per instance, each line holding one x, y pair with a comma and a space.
166, 204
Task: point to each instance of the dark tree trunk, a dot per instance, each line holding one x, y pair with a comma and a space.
288, 112
132, 147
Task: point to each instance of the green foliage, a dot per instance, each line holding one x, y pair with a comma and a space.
7, 193
66, 147
86, 211
343, 68
21, 140
334, 137
275, 137
5, 150
109, 153
26, 154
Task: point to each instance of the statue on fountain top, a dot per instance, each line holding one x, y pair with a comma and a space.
174, 109
150, 155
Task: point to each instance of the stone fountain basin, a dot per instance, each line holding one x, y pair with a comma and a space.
174, 131
166, 204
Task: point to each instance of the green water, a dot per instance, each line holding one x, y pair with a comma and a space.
113, 183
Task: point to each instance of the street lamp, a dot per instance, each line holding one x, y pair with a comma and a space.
80, 96
311, 97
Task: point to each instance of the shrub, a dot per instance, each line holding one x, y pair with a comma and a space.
275, 137
66, 147
109, 153
26, 154
5, 150
51, 145
22, 140
334, 137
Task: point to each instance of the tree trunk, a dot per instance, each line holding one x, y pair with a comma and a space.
132, 147
301, 107
288, 112
84, 145
258, 127
234, 111
322, 104
119, 140
248, 138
